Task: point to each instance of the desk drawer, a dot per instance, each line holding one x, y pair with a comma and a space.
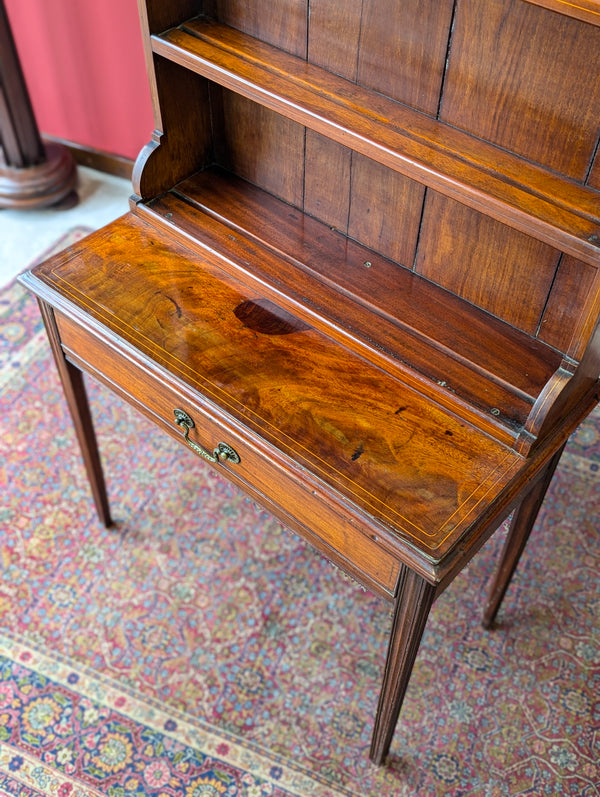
317, 512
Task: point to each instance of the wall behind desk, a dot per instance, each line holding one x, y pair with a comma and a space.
84, 67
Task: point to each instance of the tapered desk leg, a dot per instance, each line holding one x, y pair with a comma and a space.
75, 394
518, 534
412, 607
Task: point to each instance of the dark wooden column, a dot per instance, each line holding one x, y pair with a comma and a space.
31, 174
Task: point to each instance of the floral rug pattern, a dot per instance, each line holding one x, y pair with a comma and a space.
200, 649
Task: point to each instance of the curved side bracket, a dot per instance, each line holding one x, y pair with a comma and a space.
142, 167
182, 142
569, 386
547, 398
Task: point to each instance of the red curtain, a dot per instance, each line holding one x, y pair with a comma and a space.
84, 66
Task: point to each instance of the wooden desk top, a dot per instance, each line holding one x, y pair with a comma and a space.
417, 469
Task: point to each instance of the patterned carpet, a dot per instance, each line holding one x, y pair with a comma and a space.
201, 650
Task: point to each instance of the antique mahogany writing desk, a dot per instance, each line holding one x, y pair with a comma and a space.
359, 274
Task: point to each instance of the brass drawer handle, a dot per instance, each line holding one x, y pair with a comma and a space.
222, 452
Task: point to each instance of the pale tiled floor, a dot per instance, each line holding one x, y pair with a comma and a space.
25, 234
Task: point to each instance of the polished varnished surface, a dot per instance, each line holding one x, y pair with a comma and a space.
417, 468
440, 343
396, 293
332, 523
586, 10
513, 66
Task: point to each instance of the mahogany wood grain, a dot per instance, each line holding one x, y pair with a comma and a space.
559, 400
533, 200
564, 325
534, 465
327, 180
161, 165
338, 191
526, 79
408, 463
413, 603
167, 159
412, 476
284, 25
178, 331
585, 10
476, 356
334, 36
405, 348
494, 267
262, 147
375, 216
396, 292
328, 522
338, 183
403, 50
156, 15
328, 310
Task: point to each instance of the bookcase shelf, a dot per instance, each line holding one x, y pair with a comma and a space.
459, 355
495, 182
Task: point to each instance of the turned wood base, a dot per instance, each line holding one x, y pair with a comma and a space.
41, 185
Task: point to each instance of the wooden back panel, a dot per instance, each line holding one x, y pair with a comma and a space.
526, 79
395, 53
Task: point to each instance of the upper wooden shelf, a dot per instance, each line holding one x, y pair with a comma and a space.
502, 185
